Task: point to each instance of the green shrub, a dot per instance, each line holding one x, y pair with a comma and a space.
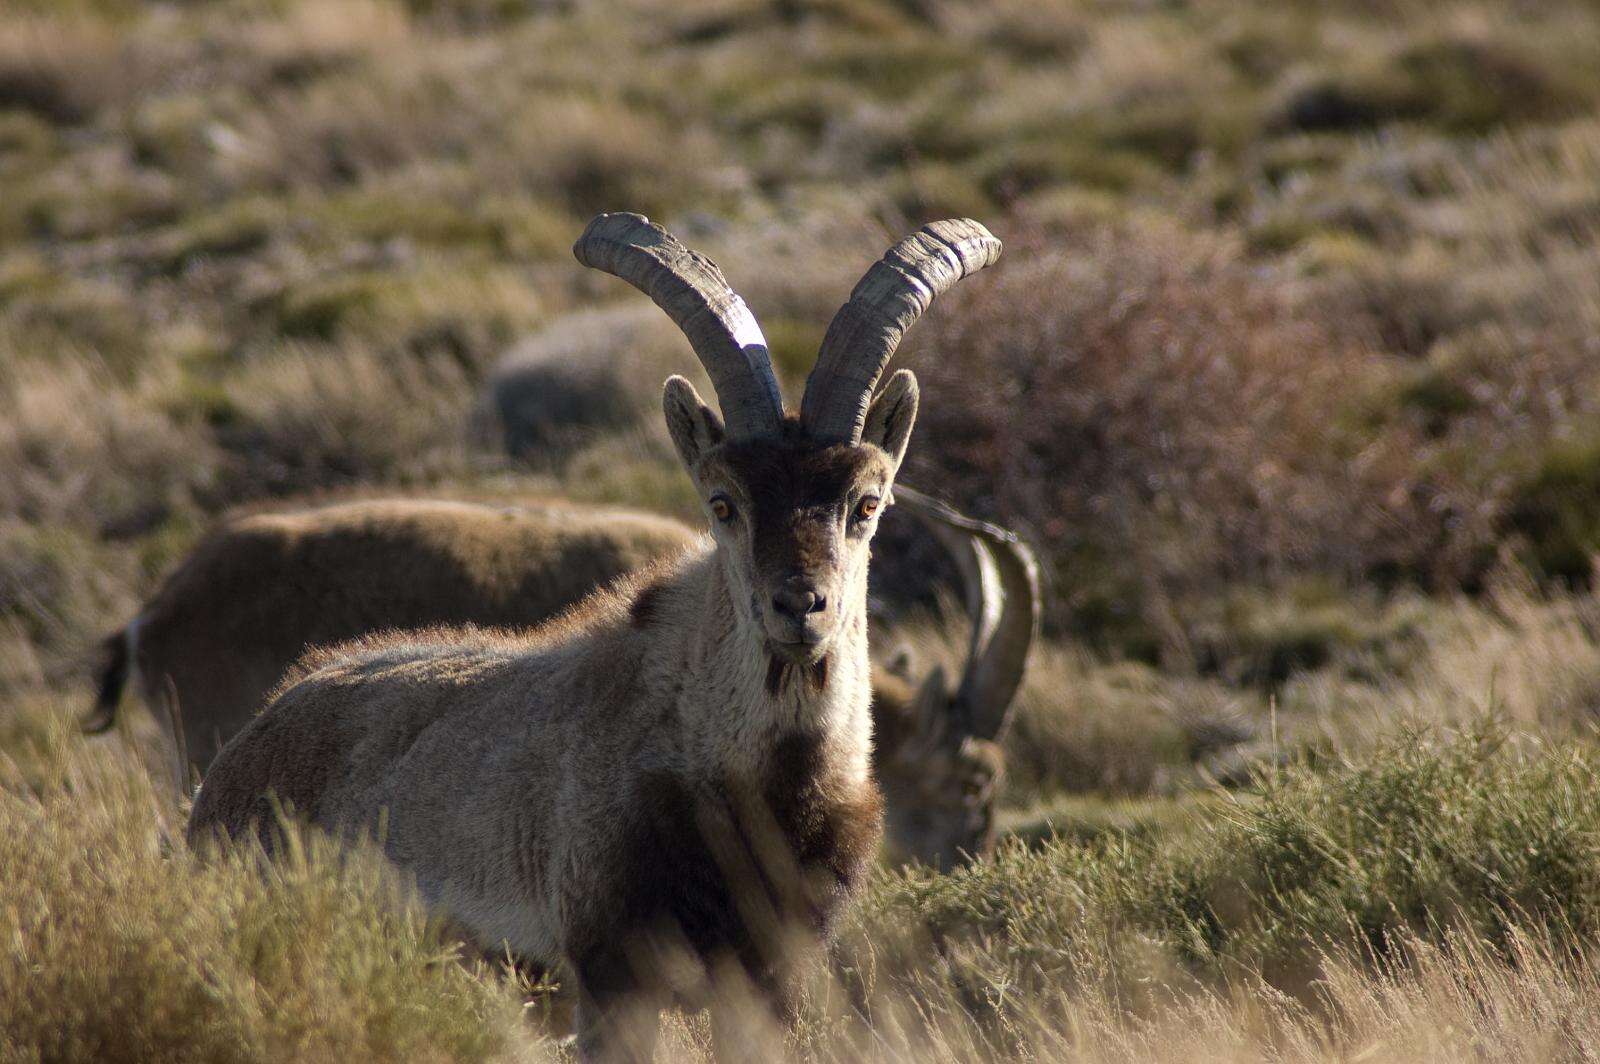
1431, 834
1557, 510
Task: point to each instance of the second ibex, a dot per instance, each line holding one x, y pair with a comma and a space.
680, 771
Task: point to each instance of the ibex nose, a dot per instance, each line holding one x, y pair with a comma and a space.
797, 598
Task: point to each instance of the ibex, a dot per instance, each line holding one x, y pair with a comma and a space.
257, 591
657, 789
236, 613
938, 754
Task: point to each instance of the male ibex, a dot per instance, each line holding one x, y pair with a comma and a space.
259, 589
660, 787
939, 759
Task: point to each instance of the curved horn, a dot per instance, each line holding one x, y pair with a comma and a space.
1001, 578
887, 301
695, 295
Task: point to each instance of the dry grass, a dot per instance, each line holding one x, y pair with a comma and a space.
64, 69
123, 946
301, 419
84, 450
1161, 946
1530, 659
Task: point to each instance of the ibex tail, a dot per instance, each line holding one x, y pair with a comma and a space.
113, 678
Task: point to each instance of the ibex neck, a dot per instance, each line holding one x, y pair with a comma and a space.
736, 703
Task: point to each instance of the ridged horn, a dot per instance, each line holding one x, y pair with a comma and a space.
888, 300
695, 295
1001, 581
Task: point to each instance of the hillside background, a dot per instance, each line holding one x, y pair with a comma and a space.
1291, 370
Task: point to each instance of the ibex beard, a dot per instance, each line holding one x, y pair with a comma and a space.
668, 787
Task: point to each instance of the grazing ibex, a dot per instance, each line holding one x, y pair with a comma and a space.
659, 788
939, 759
261, 588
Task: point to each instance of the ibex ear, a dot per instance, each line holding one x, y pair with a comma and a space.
694, 426
892, 414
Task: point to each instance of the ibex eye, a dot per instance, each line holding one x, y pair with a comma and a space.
867, 507
722, 509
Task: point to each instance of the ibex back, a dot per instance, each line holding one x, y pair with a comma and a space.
671, 784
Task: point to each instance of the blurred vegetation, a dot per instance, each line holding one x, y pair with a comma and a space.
1351, 335
124, 946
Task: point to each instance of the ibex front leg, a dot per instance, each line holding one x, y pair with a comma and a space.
618, 1015
749, 1020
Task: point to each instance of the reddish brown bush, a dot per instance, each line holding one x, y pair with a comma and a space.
1160, 414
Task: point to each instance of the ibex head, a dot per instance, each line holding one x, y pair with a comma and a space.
941, 775
792, 501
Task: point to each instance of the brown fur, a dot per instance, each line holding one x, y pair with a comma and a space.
534, 787
698, 859
784, 494
230, 622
